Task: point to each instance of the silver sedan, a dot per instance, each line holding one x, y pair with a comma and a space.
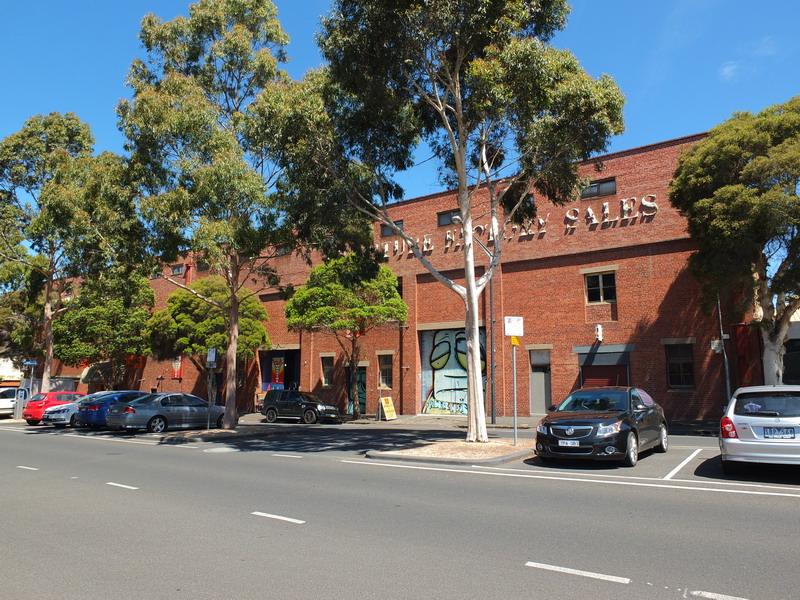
159, 412
761, 425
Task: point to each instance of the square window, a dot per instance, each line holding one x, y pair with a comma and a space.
327, 371
387, 231
680, 366
446, 218
177, 270
385, 370
601, 288
596, 189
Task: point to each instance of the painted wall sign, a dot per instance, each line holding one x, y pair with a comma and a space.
443, 356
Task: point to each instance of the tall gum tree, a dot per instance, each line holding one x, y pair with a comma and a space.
505, 113
738, 187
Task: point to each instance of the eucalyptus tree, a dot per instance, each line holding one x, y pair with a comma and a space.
506, 114
64, 214
739, 187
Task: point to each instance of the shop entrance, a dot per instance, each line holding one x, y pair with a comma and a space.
280, 369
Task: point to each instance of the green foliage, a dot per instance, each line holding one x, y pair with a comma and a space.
347, 296
190, 325
105, 323
738, 188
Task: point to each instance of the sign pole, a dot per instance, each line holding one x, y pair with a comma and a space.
514, 344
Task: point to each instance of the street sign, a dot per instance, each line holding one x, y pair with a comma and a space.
388, 408
514, 341
513, 326
30, 363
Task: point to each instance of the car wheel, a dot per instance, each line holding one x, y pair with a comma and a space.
309, 417
663, 439
219, 422
271, 415
730, 467
631, 451
73, 422
32, 421
157, 425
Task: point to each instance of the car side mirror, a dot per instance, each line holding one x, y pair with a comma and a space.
551, 408
639, 408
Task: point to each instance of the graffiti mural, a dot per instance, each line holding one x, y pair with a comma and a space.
444, 370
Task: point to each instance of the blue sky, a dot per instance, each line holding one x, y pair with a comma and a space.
683, 66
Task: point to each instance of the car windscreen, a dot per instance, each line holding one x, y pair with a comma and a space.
308, 397
37, 397
595, 400
768, 404
129, 397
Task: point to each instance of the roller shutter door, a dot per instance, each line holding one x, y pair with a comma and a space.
604, 375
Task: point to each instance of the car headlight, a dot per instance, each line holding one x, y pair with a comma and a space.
541, 428
329, 407
606, 430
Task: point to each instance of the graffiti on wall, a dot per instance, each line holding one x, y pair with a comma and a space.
444, 370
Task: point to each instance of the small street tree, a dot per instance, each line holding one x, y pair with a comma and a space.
506, 115
63, 214
738, 188
189, 325
346, 298
105, 325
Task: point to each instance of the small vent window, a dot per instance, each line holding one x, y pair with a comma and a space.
600, 188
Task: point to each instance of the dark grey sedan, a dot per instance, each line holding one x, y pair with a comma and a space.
159, 412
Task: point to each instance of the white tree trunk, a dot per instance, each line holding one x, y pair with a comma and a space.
231, 414
772, 360
48, 340
476, 416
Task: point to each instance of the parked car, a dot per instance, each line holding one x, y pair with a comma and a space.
34, 409
761, 424
61, 415
8, 399
159, 412
609, 423
93, 409
279, 404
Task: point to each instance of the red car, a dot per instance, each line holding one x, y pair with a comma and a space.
34, 409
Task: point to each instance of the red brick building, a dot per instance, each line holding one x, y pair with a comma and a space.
602, 284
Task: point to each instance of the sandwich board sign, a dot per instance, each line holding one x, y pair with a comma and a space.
387, 406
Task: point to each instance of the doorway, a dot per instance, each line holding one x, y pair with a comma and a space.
540, 389
361, 390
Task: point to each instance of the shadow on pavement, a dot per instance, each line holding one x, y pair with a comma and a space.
750, 472
566, 464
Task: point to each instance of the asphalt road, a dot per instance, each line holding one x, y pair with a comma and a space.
302, 514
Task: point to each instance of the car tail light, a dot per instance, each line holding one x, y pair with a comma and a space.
129, 410
727, 429
93, 407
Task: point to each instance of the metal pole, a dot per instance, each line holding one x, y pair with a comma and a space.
491, 347
514, 383
724, 354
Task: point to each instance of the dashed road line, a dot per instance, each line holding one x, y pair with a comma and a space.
287, 455
568, 571
278, 517
713, 596
683, 463
27, 468
670, 485
121, 485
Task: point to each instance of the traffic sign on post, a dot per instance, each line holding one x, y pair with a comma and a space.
513, 326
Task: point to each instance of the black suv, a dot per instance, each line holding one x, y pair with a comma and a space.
279, 404
611, 423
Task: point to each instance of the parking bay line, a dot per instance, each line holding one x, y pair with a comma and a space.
568, 571
667, 485
27, 468
121, 485
278, 517
683, 463
713, 596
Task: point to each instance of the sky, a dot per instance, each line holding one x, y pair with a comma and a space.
683, 65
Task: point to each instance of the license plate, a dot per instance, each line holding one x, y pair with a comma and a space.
778, 433
568, 442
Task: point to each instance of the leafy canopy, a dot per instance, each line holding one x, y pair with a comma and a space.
738, 188
189, 325
349, 295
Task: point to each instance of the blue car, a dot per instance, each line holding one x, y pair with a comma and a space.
93, 409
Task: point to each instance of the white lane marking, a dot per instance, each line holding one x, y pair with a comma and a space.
568, 571
12, 429
121, 485
713, 596
141, 443
668, 485
278, 517
695, 481
677, 469
27, 468
221, 450
287, 456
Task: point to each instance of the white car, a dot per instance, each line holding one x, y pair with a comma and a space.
61, 415
8, 399
761, 425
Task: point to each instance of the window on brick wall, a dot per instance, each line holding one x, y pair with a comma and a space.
327, 371
601, 287
386, 230
596, 189
446, 218
385, 371
680, 366
177, 270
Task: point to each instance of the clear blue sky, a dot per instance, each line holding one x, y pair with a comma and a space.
683, 65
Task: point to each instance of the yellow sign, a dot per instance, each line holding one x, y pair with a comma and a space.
514, 340
388, 408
